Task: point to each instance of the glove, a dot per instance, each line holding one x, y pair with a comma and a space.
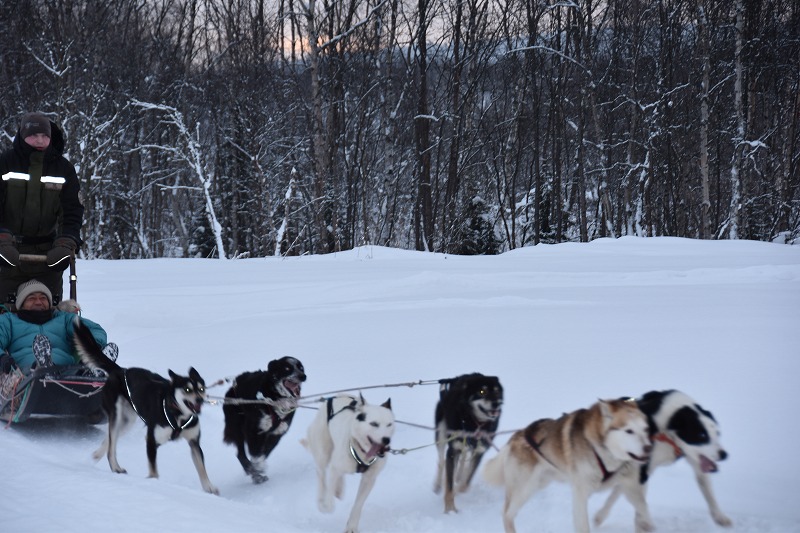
6, 363
59, 254
9, 256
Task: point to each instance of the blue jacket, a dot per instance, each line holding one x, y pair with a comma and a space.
16, 337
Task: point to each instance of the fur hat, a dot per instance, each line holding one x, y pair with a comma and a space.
33, 123
28, 288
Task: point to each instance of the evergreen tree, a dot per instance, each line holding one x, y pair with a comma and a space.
477, 230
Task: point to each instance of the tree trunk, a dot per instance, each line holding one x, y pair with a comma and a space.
734, 210
705, 206
423, 210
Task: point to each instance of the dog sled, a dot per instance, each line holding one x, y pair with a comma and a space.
61, 391
52, 391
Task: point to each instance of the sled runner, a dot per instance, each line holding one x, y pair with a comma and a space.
52, 390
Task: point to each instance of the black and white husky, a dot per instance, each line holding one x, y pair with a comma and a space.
169, 408
679, 428
467, 416
259, 408
349, 436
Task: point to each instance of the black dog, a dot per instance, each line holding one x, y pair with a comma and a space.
264, 413
467, 416
169, 408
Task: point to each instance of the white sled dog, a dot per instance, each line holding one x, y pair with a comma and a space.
587, 448
679, 428
348, 436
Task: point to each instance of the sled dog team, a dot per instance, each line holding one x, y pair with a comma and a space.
613, 444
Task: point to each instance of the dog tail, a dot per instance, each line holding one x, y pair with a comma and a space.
493, 471
89, 351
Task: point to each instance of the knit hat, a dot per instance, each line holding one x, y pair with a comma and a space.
28, 288
33, 123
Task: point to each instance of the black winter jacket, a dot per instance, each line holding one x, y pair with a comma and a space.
60, 210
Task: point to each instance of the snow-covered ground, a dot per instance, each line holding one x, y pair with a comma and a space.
561, 326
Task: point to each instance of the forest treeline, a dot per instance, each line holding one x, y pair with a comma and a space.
252, 128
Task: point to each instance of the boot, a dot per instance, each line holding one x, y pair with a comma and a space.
42, 351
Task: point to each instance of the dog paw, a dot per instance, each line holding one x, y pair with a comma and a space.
211, 489
600, 517
325, 505
258, 478
644, 526
722, 520
450, 505
437, 488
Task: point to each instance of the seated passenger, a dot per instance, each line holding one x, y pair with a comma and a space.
38, 334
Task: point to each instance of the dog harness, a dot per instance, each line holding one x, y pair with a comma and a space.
606, 474
176, 429
361, 465
537, 448
675, 448
349, 407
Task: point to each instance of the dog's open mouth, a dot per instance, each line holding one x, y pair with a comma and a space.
292, 386
707, 465
492, 414
376, 449
194, 407
639, 458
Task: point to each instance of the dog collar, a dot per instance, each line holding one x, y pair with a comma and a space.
664, 438
361, 465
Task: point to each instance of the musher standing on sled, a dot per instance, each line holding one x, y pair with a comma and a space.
40, 211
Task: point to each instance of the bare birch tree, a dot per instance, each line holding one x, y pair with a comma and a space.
189, 150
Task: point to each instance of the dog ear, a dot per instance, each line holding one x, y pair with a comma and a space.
361, 397
194, 374
172, 375
387, 404
273, 365
605, 410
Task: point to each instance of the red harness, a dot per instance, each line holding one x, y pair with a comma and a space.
675, 448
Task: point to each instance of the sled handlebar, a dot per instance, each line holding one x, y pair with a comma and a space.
32, 258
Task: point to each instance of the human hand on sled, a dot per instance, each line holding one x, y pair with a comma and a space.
59, 254
9, 256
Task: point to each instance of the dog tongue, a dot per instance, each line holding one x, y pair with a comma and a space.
293, 386
707, 465
374, 450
